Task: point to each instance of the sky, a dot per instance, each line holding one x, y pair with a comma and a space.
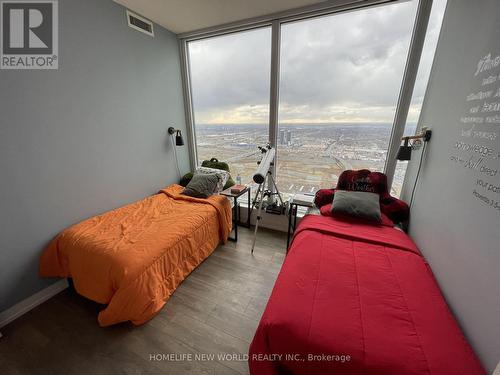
346, 67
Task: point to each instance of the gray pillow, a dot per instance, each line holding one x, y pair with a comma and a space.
201, 185
358, 204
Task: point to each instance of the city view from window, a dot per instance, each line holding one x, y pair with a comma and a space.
311, 156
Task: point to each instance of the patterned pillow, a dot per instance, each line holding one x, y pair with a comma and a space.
363, 180
323, 196
221, 175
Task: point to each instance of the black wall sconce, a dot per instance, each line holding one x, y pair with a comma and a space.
405, 149
179, 141
404, 152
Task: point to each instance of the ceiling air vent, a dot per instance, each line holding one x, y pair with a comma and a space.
140, 23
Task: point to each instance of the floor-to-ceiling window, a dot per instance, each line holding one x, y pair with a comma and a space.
230, 89
424, 71
340, 80
340, 77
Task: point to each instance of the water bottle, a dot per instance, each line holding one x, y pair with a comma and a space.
238, 179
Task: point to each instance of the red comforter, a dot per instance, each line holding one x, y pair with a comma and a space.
357, 299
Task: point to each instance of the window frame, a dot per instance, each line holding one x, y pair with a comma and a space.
275, 21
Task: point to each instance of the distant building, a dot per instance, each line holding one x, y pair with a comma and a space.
285, 137
282, 137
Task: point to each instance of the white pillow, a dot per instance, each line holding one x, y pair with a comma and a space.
223, 176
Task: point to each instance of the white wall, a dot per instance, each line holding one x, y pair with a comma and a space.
456, 230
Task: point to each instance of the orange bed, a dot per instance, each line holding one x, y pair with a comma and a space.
133, 258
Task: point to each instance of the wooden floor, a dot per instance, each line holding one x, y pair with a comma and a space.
215, 311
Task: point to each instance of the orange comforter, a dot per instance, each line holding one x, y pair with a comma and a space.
134, 257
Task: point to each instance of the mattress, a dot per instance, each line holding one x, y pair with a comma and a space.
133, 258
353, 298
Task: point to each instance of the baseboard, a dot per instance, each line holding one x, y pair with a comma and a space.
30, 303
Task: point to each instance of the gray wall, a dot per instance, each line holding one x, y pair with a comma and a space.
458, 233
86, 138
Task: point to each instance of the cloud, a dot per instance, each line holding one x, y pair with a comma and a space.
346, 67
231, 71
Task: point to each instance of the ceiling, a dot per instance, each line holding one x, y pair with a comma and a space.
180, 16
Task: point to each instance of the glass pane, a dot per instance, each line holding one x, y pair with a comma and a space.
340, 81
230, 89
424, 71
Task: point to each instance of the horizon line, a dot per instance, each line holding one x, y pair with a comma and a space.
300, 124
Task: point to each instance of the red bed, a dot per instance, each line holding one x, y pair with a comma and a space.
364, 295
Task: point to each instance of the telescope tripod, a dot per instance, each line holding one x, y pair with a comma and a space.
265, 193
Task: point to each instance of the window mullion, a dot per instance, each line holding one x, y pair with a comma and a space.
274, 86
407, 86
188, 104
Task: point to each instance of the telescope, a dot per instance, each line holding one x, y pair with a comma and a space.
264, 176
264, 166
